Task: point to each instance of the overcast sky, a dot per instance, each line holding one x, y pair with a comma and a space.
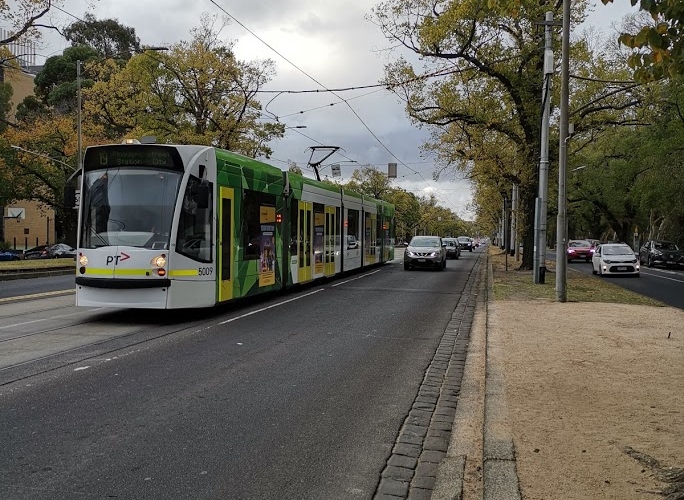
329, 40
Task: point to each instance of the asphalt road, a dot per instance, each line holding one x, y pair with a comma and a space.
299, 396
13, 288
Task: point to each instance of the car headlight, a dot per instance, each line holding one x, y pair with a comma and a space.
433, 254
607, 261
159, 261
634, 261
657, 253
410, 254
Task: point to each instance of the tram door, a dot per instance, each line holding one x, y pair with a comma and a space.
304, 230
225, 241
331, 237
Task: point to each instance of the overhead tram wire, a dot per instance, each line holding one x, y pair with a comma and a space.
336, 95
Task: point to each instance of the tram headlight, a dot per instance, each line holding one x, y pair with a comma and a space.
159, 261
83, 260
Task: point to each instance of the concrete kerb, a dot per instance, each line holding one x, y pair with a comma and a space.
480, 460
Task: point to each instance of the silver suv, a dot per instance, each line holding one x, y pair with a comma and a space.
425, 251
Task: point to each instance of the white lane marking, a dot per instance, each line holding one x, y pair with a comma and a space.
269, 307
662, 277
48, 319
357, 278
38, 295
81, 368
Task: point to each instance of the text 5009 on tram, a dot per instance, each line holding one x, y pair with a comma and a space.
168, 226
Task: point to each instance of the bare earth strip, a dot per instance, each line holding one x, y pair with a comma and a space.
583, 382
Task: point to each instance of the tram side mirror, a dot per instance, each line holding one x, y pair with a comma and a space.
70, 196
203, 195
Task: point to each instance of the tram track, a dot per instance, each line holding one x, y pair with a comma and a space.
87, 347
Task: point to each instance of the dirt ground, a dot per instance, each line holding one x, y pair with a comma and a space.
584, 383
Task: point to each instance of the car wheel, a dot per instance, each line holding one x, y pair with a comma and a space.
649, 262
406, 267
444, 264
569, 261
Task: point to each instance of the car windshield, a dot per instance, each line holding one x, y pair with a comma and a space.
617, 250
450, 243
425, 242
464, 239
665, 245
579, 243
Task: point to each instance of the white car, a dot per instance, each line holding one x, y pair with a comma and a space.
614, 259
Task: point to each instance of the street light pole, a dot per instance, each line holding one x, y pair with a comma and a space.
561, 221
79, 164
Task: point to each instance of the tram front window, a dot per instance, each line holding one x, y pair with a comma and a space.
128, 207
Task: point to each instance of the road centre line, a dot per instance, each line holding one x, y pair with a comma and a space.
269, 307
357, 278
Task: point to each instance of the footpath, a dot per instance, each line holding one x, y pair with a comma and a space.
568, 401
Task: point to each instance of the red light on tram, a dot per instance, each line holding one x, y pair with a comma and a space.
279, 217
346, 223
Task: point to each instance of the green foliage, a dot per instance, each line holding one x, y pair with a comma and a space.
31, 109
5, 105
109, 38
196, 93
657, 49
56, 85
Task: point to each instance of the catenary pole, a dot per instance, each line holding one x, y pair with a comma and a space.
561, 221
543, 198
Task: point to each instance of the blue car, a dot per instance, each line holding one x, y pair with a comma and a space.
6, 255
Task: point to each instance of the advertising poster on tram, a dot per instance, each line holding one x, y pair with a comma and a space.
267, 256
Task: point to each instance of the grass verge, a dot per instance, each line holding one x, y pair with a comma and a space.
42, 264
518, 285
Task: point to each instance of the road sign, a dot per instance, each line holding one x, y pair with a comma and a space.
336, 170
392, 170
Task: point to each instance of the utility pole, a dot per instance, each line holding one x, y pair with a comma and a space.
79, 165
542, 201
561, 221
315, 165
514, 223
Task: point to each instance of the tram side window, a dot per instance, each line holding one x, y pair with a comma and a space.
352, 229
252, 201
195, 234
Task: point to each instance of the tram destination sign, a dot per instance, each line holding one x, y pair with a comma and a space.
133, 155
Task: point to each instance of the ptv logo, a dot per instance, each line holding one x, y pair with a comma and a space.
117, 258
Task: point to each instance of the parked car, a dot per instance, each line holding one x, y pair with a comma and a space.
579, 249
659, 252
425, 251
56, 251
6, 255
453, 249
615, 258
62, 251
466, 243
39, 252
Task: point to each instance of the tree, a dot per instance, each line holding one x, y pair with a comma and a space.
42, 178
293, 167
406, 212
23, 20
482, 100
5, 105
106, 36
657, 49
197, 92
370, 181
56, 84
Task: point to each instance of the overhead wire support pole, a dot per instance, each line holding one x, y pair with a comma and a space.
315, 165
541, 205
562, 220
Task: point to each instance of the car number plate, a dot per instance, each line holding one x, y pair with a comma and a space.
421, 260
670, 261
622, 268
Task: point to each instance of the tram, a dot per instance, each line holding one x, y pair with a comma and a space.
186, 226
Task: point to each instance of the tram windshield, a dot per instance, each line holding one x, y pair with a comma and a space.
128, 207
